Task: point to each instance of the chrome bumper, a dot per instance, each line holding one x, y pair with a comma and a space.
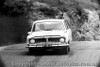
47, 45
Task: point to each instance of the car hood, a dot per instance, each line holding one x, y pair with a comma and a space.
47, 33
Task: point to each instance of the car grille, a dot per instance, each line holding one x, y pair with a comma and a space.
47, 40
53, 39
40, 40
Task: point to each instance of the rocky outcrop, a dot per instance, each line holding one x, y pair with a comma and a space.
91, 28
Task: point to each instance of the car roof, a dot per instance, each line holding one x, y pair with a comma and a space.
44, 20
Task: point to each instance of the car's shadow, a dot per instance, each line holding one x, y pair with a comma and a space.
42, 53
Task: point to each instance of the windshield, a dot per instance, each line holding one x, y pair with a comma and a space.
48, 26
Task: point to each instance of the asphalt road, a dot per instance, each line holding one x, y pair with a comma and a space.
82, 54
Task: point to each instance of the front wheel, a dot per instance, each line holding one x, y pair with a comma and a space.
66, 49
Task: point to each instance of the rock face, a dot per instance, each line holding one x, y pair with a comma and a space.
50, 2
92, 27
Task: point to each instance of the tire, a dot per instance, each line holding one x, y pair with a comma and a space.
68, 47
66, 50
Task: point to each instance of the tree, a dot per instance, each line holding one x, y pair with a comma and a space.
2, 3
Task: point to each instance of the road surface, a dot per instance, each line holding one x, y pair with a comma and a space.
82, 54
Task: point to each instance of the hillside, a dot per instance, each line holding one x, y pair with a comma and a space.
89, 4
83, 15
16, 17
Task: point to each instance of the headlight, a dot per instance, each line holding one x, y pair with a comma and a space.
32, 41
62, 40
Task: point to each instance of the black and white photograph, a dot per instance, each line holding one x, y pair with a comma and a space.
49, 33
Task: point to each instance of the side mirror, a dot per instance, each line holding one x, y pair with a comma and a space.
29, 32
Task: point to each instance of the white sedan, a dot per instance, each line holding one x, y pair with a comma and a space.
49, 34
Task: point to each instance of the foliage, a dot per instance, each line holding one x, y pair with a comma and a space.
82, 28
14, 8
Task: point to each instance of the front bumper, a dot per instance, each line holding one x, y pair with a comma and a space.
46, 46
